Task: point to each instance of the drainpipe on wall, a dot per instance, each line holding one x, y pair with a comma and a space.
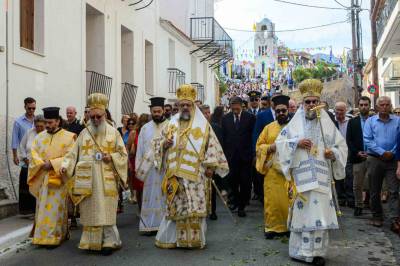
7, 107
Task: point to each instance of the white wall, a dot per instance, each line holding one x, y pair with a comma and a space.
60, 70
127, 55
2, 61
56, 76
95, 40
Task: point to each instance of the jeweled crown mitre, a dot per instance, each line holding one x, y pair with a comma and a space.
311, 88
97, 101
186, 92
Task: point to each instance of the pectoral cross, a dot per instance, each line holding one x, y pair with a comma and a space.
87, 147
314, 150
109, 148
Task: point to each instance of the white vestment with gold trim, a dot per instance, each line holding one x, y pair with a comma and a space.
94, 184
195, 149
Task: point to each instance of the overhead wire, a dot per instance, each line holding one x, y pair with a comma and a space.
143, 7
347, 7
320, 7
292, 30
313, 6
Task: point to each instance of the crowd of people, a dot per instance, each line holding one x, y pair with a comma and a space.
301, 161
243, 88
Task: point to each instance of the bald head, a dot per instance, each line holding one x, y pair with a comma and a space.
71, 114
340, 111
384, 105
292, 106
341, 105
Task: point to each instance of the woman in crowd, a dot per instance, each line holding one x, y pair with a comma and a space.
125, 132
124, 128
134, 116
131, 125
27, 203
134, 183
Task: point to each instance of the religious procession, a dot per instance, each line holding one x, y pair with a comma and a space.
159, 137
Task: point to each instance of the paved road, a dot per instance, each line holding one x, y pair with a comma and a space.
244, 244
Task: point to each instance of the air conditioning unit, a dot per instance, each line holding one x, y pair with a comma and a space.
393, 72
392, 85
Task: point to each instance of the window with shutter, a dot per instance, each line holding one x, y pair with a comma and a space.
27, 15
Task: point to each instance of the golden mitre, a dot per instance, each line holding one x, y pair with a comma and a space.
97, 101
311, 88
186, 92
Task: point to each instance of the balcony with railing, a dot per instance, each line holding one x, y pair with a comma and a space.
176, 78
98, 83
128, 97
212, 39
200, 91
384, 16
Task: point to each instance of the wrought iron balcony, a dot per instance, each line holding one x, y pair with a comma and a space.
384, 16
212, 39
200, 91
96, 82
176, 79
128, 98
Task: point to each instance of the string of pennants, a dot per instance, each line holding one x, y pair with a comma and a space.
246, 53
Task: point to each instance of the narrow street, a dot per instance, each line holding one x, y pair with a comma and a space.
356, 244
284, 99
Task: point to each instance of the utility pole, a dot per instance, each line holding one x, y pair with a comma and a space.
374, 40
357, 49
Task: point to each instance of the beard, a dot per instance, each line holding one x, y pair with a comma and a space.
99, 127
185, 116
51, 130
311, 115
158, 119
282, 119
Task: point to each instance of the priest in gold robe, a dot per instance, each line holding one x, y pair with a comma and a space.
96, 166
45, 182
191, 153
276, 200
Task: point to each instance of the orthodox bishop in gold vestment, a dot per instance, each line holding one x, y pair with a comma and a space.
97, 165
190, 151
45, 182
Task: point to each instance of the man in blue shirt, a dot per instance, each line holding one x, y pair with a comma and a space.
380, 140
21, 125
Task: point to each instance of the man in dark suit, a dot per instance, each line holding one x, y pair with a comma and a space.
237, 128
357, 154
256, 178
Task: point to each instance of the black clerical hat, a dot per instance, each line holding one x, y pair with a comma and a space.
281, 99
157, 101
51, 112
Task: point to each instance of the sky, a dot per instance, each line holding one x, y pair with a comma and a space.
242, 14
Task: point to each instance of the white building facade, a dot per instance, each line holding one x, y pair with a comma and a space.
388, 47
265, 48
59, 51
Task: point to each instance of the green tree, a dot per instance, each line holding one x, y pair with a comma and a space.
301, 74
